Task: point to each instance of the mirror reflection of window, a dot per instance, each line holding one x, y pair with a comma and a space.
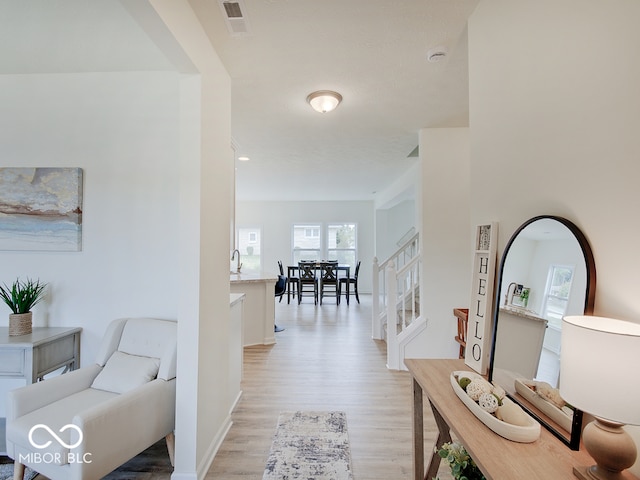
556, 294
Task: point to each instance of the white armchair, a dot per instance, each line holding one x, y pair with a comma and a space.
86, 423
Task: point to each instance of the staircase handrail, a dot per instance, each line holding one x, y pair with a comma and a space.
400, 250
409, 249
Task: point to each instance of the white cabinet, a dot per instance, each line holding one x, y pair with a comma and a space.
236, 348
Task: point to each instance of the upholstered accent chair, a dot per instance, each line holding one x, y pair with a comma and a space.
84, 424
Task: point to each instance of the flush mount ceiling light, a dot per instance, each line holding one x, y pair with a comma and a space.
324, 101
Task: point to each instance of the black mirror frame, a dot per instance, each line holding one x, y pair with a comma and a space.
589, 300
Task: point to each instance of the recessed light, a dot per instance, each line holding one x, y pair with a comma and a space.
243, 158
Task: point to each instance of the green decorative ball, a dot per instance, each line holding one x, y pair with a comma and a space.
463, 382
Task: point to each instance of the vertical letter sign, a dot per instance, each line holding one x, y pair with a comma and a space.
480, 308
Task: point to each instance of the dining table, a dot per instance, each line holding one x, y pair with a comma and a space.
292, 270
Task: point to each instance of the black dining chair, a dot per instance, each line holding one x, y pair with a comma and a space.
293, 282
308, 281
351, 281
329, 285
280, 289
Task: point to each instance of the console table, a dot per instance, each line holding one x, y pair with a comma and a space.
497, 457
34, 355
43, 351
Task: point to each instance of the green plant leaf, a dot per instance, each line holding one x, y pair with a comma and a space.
22, 296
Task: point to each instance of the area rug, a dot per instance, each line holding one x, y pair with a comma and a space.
6, 472
310, 446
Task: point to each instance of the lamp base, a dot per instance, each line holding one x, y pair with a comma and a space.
593, 473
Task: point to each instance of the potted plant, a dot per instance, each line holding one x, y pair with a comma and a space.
21, 297
462, 465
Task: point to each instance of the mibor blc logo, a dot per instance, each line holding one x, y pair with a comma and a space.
56, 457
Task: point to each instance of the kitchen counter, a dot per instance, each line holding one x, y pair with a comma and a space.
259, 305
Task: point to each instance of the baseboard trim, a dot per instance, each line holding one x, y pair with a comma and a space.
207, 460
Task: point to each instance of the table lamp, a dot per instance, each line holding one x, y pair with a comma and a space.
598, 376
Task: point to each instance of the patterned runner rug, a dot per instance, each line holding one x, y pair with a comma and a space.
310, 446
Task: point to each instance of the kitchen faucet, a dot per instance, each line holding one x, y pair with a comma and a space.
233, 256
506, 297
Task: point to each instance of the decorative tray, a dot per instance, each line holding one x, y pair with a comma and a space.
527, 433
563, 417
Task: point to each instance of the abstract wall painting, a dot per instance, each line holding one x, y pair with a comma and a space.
41, 209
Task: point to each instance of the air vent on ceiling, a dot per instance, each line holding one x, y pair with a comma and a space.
415, 152
234, 17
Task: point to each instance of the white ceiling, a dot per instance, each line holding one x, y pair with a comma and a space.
374, 52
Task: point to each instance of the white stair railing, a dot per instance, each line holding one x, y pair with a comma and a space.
406, 254
403, 307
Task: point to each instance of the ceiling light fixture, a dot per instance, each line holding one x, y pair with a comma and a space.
324, 101
243, 158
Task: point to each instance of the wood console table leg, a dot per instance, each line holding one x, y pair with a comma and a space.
444, 436
418, 432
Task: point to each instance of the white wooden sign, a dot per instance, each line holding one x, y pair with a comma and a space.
481, 305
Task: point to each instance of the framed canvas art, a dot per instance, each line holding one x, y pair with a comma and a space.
41, 209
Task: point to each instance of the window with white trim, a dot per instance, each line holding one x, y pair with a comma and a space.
335, 241
556, 294
306, 242
341, 243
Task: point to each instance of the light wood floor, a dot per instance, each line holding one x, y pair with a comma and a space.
324, 360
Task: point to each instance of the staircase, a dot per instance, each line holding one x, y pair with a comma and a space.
396, 301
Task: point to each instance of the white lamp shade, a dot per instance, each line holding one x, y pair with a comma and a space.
598, 367
324, 100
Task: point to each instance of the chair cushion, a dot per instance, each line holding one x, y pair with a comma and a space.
124, 372
55, 416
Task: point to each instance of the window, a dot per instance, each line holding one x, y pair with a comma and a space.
312, 232
556, 295
341, 243
249, 246
337, 242
306, 243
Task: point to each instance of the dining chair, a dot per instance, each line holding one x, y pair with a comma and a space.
348, 282
293, 282
329, 285
289, 281
308, 281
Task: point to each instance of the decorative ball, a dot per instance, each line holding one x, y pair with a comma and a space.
477, 387
464, 382
488, 402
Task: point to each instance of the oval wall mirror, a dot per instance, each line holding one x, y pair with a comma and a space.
547, 271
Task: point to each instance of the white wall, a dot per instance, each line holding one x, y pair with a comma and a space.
391, 225
120, 128
554, 127
153, 182
276, 220
203, 410
446, 238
